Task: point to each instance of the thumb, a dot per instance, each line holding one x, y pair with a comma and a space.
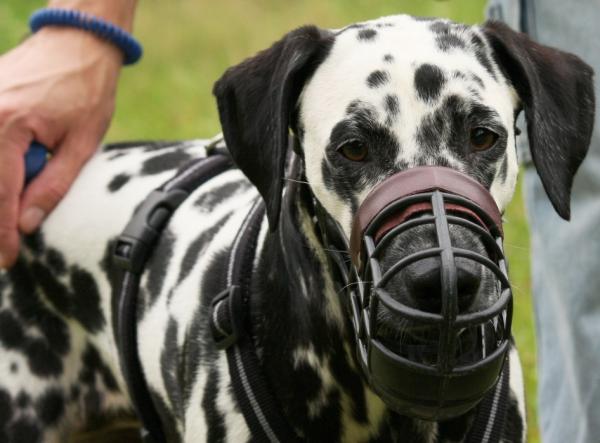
45, 192
11, 182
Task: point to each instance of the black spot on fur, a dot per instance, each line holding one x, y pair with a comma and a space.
23, 400
446, 42
351, 382
82, 303
392, 108
50, 406
444, 128
449, 128
459, 75
118, 182
355, 106
42, 352
11, 331
309, 382
167, 419
169, 364
429, 81
214, 419
327, 425
366, 34
34, 243
440, 27
165, 162
378, 78
6, 409
503, 169
75, 392
194, 250
24, 429
388, 58
477, 80
14, 367
42, 359
159, 264
94, 365
92, 402
514, 423
348, 178
86, 300
481, 52
116, 155
149, 145
395, 428
56, 261
208, 200
213, 280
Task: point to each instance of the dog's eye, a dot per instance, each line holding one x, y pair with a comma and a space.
353, 151
482, 139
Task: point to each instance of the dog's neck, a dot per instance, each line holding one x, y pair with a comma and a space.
305, 342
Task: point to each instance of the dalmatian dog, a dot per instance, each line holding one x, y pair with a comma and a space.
363, 102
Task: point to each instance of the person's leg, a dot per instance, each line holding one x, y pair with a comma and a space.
566, 255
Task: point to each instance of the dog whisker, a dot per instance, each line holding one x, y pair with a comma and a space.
353, 283
516, 246
337, 250
296, 181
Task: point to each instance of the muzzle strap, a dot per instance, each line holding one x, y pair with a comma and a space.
419, 180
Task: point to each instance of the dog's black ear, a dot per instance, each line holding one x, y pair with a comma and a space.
557, 94
256, 100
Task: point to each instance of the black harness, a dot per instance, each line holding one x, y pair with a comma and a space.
229, 318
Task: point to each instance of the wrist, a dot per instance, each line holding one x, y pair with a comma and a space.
118, 12
83, 47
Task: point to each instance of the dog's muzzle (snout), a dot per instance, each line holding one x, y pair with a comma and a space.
440, 364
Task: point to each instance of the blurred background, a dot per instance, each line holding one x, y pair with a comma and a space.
189, 43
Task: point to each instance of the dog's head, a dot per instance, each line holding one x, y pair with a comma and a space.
376, 98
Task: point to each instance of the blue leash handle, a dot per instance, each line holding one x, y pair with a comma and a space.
36, 158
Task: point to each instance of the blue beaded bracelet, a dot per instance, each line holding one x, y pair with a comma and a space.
130, 47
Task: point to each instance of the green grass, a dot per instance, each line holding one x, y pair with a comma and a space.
188, 44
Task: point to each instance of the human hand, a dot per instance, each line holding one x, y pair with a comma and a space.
58, 88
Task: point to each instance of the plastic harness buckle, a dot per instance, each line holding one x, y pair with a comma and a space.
226, 316
136, 241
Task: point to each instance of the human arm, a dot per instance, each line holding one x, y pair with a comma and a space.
57, 87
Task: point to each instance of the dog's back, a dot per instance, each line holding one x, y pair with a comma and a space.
59, 368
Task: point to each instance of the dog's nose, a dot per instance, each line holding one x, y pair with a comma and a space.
424, 281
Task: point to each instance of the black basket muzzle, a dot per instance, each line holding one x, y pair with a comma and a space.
446, 361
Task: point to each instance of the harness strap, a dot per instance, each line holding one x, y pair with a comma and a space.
130, 254
491, 415
229, 323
